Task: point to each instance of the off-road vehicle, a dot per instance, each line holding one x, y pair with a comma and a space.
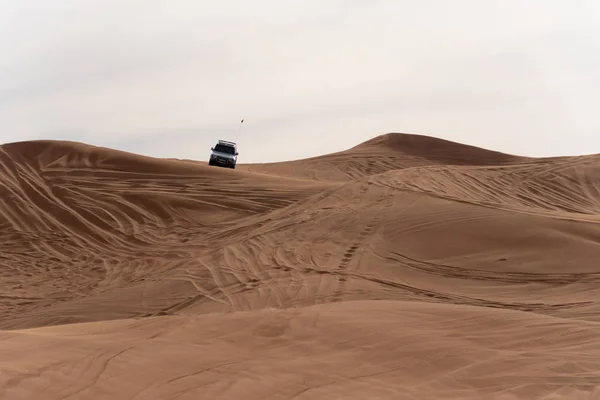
224, 154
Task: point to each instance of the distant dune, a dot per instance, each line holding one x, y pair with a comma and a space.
384, 153
406, 267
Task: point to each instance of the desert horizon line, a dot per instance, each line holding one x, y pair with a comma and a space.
366, 142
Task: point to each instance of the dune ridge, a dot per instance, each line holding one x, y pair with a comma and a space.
384, 153
405, 267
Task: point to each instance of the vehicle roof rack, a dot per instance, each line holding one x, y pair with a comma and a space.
226, 142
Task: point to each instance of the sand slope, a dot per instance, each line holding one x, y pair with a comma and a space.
407, 267
386, 153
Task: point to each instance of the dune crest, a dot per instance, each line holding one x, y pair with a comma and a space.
404, 267
388, 152
437, 150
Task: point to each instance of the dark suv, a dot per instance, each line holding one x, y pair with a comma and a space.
224, 154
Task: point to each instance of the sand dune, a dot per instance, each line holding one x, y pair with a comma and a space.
407, 267
384, 153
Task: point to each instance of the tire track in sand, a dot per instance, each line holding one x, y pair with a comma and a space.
349, 262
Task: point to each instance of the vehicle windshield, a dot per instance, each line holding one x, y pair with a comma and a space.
225, 149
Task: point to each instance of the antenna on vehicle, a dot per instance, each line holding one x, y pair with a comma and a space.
239, 129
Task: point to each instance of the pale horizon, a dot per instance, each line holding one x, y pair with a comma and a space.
308, 78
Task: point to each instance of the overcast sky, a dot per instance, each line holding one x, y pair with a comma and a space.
169, 78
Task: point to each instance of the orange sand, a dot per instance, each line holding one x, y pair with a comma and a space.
407, 267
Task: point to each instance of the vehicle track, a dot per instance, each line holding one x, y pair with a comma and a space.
505, 277
350, 261
421, 294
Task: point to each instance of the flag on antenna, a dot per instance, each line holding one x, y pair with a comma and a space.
239, 129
